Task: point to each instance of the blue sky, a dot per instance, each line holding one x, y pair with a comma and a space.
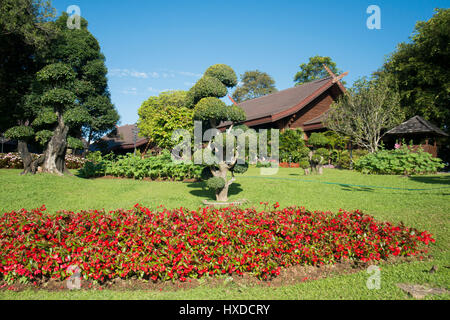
152, 46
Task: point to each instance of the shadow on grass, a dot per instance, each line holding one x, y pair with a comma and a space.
438, 179
201, 191
355, 188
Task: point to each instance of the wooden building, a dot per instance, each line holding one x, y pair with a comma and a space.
420, 132
121, 140
303, 106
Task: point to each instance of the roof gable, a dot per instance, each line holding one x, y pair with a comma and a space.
416, 125
280, 101
281, 104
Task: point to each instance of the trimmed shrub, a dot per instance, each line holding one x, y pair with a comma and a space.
224, 73
135, 167
318, 140
342, 158
215, 183
399, 161
207, 87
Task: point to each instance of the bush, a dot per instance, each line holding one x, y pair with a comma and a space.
95, 156
295, 156
206, 87
263, 164
292, 145
224, 73
180, 244
13, 161
342, 158
130, 166
318, 140
215, 183
74, 162
92, 169
304, 164
10, 161
323, 153
399, 161
240, 168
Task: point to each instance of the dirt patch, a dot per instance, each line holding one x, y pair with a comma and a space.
288, 276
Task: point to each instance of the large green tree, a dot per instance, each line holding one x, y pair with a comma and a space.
25, 29
254, 84
205, 96
421, 70
69, 96
314, 70
365, 112
160, 116
81, 50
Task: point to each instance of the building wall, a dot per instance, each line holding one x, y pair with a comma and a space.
313, 110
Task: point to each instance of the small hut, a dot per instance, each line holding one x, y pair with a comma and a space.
421, 132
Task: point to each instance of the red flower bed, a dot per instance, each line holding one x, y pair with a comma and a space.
289, 165
178, 244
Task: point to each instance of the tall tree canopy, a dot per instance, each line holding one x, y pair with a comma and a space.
160, 116
25, 28
365, 112
254, 84
421, 70
68, 96
314, 70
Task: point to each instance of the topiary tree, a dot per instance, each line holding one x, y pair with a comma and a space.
318, 140
60, 105
319, 155
209, 109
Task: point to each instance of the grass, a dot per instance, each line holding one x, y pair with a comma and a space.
385, 197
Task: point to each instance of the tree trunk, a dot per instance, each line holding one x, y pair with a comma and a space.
25, 155
320, 169
222, 194
55, 153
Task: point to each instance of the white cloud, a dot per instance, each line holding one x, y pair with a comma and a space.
136, 74
133, 73
132, 91
168, 75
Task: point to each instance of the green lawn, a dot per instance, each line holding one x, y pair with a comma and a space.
385, 197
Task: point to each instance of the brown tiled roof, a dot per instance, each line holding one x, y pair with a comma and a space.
283, 103
123, 138
417, 125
